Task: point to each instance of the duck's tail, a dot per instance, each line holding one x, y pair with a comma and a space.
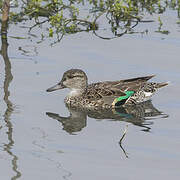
160, 85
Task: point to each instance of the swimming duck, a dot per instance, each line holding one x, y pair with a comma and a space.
107, 94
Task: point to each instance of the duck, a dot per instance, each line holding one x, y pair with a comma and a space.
106, 94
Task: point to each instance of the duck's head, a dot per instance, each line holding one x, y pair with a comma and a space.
74, 79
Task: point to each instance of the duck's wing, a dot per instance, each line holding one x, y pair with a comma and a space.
142, 78
133, 84
102, 95
100, 90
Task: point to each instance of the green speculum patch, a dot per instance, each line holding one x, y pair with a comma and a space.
122, 99
128, 94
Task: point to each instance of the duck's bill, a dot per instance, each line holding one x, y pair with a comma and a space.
56, 87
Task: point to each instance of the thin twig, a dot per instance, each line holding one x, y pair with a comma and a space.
124, 151
125, 131
37, 24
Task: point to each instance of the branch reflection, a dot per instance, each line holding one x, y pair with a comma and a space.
9, 110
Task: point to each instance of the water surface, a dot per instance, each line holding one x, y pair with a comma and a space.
38, 145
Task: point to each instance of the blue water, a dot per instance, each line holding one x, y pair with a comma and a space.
36, 146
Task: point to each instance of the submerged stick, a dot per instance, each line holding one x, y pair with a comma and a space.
125, 131
120, 141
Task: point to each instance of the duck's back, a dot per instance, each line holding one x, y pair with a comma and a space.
104, 93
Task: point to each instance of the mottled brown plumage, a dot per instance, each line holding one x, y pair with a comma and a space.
104, 94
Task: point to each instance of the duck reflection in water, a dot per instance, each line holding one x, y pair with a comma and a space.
139, 115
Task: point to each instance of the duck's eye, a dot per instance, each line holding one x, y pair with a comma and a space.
78, 76
69, 77
74, 76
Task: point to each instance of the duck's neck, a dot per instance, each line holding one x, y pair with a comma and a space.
76, 92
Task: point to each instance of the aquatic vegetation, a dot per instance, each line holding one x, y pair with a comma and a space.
57, 18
